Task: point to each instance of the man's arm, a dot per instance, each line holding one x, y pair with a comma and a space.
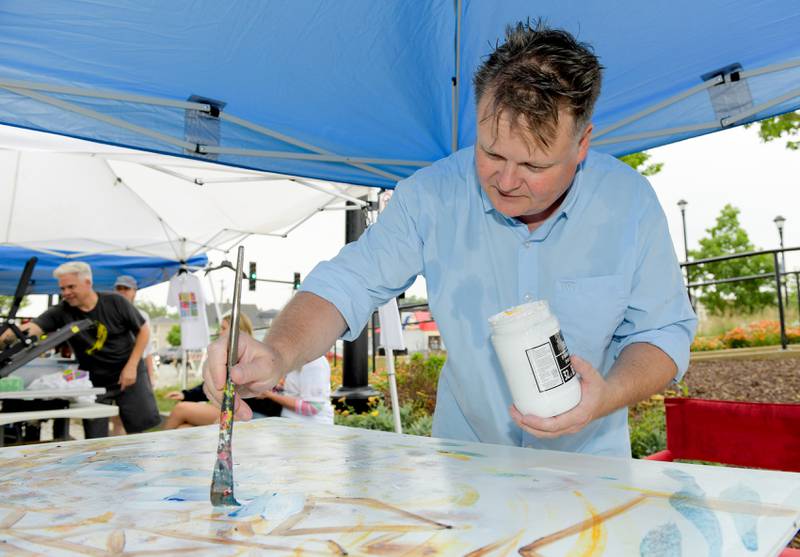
31, 328
640, 371
128, 375
305, 329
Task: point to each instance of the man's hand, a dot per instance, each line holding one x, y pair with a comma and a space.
594, 391
258, 370
128, 376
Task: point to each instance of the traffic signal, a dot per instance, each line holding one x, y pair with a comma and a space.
252, 276
296, 281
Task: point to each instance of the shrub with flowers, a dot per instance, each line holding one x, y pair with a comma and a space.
702, 344
735, 338
757, 333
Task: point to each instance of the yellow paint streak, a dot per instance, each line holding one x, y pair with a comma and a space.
591, 541
720, 505
100, 519
457, 456
468, 497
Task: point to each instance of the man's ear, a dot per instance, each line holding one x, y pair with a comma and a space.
584, 142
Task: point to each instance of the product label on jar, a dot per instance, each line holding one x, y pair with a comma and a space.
550, 363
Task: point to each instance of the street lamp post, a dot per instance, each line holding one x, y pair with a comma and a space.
779, 223
682, 206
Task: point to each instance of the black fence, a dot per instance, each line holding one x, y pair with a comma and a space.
778, 274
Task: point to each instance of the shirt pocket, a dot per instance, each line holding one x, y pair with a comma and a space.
589, 310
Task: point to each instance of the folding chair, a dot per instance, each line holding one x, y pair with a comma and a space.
752, 434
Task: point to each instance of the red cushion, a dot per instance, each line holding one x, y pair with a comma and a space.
758, 435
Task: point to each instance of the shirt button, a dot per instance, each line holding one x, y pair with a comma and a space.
528, 297
526, 244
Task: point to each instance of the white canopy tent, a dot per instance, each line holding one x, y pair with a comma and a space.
58, 193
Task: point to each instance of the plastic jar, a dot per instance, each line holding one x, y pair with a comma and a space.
535, 359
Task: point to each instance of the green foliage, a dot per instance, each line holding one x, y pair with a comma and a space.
648, 430
413, 420
6, 301
165, 404
779, 126
408, 300
727, 237
638, 161
154, 310
174, 336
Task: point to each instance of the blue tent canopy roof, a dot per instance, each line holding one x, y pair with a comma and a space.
105, 269
364, 92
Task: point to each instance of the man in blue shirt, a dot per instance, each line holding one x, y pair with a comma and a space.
528, 213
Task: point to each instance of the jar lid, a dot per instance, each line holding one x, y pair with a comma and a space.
535, 311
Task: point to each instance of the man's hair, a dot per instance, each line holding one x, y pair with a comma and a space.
534, 74
83, 270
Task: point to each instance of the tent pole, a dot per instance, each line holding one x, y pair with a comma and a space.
456, 81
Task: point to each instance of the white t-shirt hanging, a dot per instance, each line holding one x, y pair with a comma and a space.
186, 293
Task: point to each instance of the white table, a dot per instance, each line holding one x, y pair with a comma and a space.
62, 416
51, 393
78, 410
324, 490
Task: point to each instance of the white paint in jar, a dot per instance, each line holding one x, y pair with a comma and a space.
535, 360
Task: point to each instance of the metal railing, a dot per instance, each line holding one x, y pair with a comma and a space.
777, 274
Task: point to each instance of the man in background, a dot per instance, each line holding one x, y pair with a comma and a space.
111, 351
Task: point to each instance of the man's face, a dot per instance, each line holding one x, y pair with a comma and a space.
522, 179
75, 290
127, 293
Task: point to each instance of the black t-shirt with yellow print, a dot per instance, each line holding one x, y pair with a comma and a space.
103, 349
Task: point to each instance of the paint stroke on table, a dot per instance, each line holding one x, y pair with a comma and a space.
322, 490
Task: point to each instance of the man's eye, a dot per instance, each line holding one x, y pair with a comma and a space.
534, 168
494, 156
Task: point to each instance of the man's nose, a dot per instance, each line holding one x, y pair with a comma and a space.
508, 180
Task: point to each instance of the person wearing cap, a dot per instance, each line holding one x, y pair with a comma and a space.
111, 350
127, 286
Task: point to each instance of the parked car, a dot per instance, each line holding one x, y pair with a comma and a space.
170, 355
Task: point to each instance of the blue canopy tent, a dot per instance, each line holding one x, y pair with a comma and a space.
367, 92
105, 269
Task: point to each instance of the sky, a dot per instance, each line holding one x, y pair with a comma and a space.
733, 166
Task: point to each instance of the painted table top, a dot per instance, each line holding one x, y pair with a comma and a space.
312, 489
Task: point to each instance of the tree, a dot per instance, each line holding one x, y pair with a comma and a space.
174, 336
727, 237
154, 310
408, 300
6, 301
779, 126
637, 161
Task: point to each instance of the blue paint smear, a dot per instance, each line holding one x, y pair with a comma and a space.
272, 505
190, 494
661, 541
121, 467
76, 459
685, 502
745, 523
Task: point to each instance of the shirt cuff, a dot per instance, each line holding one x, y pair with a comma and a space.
673, 340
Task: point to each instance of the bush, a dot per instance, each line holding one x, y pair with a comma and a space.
413, 420
735, 338
702, 344
648, 424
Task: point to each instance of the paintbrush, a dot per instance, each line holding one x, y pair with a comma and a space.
222, 481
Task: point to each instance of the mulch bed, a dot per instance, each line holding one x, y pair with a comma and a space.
754, 380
